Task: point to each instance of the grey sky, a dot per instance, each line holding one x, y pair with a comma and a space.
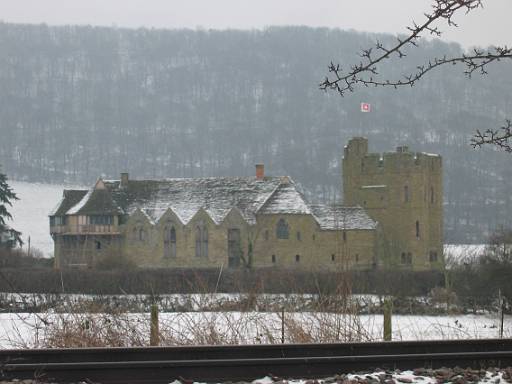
484, 27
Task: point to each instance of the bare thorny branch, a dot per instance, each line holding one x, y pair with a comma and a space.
366, 73
501, 138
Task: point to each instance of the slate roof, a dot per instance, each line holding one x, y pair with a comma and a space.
70, 197
96, 202
286, 200
217, 196
331, 217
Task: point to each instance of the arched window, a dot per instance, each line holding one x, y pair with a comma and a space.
406, 194
198, 241
170, 242
282, 231
142, 234
417, 229
205, 242
201, 240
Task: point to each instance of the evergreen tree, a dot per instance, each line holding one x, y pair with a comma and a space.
6, 197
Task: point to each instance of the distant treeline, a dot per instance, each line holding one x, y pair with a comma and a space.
80, 102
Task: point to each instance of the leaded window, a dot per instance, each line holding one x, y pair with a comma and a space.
201, 240
282, 230
170, 242
100, 220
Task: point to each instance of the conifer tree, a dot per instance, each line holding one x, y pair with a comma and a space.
7, 195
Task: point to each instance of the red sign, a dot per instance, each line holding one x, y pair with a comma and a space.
366, 107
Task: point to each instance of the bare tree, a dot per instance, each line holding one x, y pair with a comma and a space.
366, 72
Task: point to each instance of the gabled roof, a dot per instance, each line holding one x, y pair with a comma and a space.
336, 217
286, 199
95, 202
70, 198
216, 196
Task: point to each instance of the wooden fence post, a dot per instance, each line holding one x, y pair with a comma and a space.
388, 309
154, 329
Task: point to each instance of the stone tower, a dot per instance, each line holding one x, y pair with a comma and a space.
403, 192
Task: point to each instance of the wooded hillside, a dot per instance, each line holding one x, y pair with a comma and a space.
80, 102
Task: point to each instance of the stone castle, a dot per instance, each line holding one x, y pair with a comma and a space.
391, 217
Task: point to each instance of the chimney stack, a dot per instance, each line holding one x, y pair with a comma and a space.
260, 171
124, 179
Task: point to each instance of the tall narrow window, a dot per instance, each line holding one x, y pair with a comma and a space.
169, 242
417, 229
282, 231
198, 241
201, 240
431, 195
406, 194
173, 242
142, 234
297, 258
205, 242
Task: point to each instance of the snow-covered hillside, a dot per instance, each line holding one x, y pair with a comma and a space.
30, 212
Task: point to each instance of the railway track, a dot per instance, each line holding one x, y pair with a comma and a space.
235, 363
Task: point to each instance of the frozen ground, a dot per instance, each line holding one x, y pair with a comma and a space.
37, 200
21, 330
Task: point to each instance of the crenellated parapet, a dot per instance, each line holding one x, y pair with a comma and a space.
359, 160
403, 191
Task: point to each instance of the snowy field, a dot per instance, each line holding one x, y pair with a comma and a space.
37, 200
30, 212
22, 330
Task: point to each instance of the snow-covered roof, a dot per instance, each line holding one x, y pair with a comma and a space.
215, 196
373, 186
70, 197
286, 199
185, 197
336, 217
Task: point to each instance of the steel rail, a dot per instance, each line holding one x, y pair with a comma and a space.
252, 351
215, 369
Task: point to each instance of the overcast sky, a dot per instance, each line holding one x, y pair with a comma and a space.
484, 27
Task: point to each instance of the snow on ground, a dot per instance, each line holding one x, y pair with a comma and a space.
461, 253
21, 330
30, 212
420, 375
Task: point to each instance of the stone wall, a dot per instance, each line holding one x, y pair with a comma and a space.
403, 192
142, 243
